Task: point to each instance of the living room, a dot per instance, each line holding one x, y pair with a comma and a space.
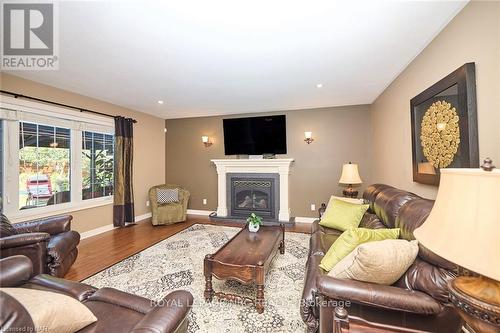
229, 166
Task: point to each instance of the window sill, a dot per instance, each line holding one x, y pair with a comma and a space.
41, 212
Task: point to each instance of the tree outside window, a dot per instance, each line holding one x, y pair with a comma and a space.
97, 165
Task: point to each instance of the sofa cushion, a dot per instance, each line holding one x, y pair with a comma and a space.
342, 215
6, 228
427, 278
44, 308
111, 318
371, 221
350, 239
389, 202
371, 193
319, 243
410, 217
381, 262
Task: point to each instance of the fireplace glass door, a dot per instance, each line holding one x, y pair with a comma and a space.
252, 196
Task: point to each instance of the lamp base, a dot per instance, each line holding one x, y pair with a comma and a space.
350, 192
478, 302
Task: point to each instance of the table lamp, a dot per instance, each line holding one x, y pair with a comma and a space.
349, 177
464, 228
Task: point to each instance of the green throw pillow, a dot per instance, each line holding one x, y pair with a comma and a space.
342, 215
350, 239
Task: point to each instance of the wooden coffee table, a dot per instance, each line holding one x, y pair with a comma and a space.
245, 258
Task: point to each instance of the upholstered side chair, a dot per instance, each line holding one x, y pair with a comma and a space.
168, 204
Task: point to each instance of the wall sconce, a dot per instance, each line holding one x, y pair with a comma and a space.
308, 137
206, 141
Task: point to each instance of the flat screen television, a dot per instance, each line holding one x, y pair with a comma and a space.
255, 135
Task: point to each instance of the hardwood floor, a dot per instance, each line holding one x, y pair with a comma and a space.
101, 251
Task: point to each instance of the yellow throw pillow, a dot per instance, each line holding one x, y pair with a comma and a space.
342, 215
350, 239
381, 262
52, 312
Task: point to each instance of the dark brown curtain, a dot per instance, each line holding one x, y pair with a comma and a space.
123, 209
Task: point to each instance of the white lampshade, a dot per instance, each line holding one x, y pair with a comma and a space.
464, 224
350, 174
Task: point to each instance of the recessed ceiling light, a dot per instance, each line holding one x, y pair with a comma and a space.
319, 85
160, 102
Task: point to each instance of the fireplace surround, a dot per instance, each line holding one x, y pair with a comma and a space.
279, 168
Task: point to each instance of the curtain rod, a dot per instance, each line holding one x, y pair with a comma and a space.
16, 95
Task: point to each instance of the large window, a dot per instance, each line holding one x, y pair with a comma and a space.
54, 160
97, 165
44, 165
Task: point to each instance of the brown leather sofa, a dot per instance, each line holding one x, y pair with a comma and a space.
116, 311
417, 302
49, 243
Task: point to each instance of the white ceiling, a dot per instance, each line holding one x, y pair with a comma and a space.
213, 57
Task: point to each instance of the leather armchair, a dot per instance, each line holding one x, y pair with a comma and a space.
49, 243
167, 213
116, 311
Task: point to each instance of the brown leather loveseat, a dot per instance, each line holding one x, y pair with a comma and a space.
49, 243
418, 301
116, 311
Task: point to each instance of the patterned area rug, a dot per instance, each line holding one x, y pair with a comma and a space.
177, 263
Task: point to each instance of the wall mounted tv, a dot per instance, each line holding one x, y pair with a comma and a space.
255, 135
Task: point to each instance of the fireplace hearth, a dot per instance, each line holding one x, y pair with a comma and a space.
254, 193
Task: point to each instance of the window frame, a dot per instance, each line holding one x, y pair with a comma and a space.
45, 114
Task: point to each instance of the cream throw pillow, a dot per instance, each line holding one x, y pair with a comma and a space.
350, 200
381, 262
52, 312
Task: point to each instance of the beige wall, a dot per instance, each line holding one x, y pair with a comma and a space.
472, 36
341, 134
149, 146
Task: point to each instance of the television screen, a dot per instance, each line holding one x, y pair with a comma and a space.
255, 135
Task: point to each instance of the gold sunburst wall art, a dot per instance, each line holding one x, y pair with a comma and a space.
440, 134
444, 126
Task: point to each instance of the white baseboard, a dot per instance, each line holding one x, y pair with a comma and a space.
199, 212
208, 212
305, 219
96, 231
109, 227
142, 217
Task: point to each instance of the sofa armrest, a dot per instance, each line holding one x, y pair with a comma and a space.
23, 239
389, 297
80, 291
51, 225
62, 244
169, 315
15, 271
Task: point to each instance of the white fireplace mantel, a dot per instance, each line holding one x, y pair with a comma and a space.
280, 166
